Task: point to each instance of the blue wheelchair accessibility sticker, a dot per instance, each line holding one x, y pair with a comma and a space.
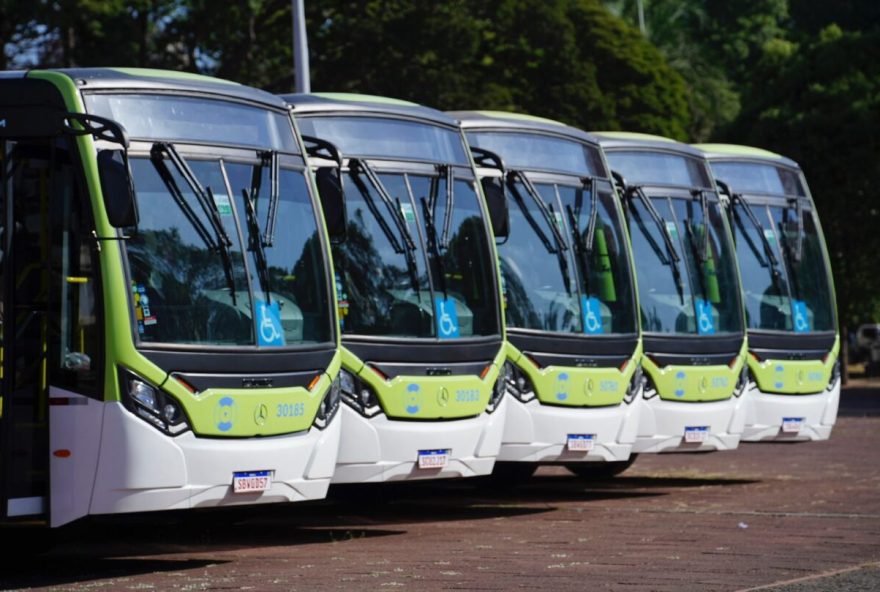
269, 329
446, 318
705, 321
801, 319
592, 315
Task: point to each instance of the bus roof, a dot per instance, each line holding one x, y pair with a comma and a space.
147, 79
740, 152
624, 140
502, 120
313, 103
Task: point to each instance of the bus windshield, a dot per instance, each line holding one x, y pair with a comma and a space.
416, 261
541, 152
581, 284
204, 266
782, 260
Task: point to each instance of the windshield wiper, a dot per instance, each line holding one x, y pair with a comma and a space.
450, 205
738, 200
358, 167
583, 247
433, 247
259, 240
205, 196
549, 217
673, 258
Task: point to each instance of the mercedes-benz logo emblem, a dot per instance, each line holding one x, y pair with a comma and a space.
261, 414
443, 397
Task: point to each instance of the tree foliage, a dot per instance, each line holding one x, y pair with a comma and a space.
823, 110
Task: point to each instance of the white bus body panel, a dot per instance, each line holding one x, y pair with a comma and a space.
766, 412
539, 433
141, 469
379, 449
663, 423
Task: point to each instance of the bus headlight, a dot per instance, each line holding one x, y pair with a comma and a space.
329, 404
358, 395
635, 385
152, 404
500, 387
519, 385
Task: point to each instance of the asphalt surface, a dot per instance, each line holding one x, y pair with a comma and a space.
776, 517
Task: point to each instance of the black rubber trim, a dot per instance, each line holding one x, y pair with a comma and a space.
577, 361
458, 369
713, 359
784, 354
240, 362
203, 382
414, 352
693, 344
791, 341
577, 345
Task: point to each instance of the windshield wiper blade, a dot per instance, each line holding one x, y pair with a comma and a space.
673, 259
450, 205
358, 167
583, 247
205, 197
256, 244
549, 217
433, 247
739, 200
268, 237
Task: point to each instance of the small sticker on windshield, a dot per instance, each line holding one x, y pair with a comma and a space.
558, 217
406, 210
221, 200
801, 316
672, 229
592, 312
447, 318
705, 320
769, 235
269, 329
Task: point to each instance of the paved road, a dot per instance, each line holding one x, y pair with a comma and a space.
784, 517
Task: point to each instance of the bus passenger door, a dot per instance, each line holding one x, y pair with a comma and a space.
24, 294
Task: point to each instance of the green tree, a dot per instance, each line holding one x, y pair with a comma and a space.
823, 110
566, 59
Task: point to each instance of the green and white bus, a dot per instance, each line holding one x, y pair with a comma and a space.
162, 346
574, 348
689, 295
788, 293
417, 285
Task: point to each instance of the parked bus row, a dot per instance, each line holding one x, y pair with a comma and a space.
214, 296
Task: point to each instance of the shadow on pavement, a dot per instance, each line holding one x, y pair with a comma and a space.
33, 572
860, 401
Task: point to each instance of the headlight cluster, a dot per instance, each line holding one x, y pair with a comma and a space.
835, 374
518, 384
635, 385
358, 395
500, 387
329, 404
151, 404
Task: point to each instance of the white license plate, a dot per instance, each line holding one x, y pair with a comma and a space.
792, 425
581, 442
250, 481
696, 434
433, 459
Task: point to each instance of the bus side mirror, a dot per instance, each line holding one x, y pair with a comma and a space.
332, 197
116, 185
496, 203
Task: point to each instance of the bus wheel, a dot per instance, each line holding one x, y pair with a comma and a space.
601, 470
